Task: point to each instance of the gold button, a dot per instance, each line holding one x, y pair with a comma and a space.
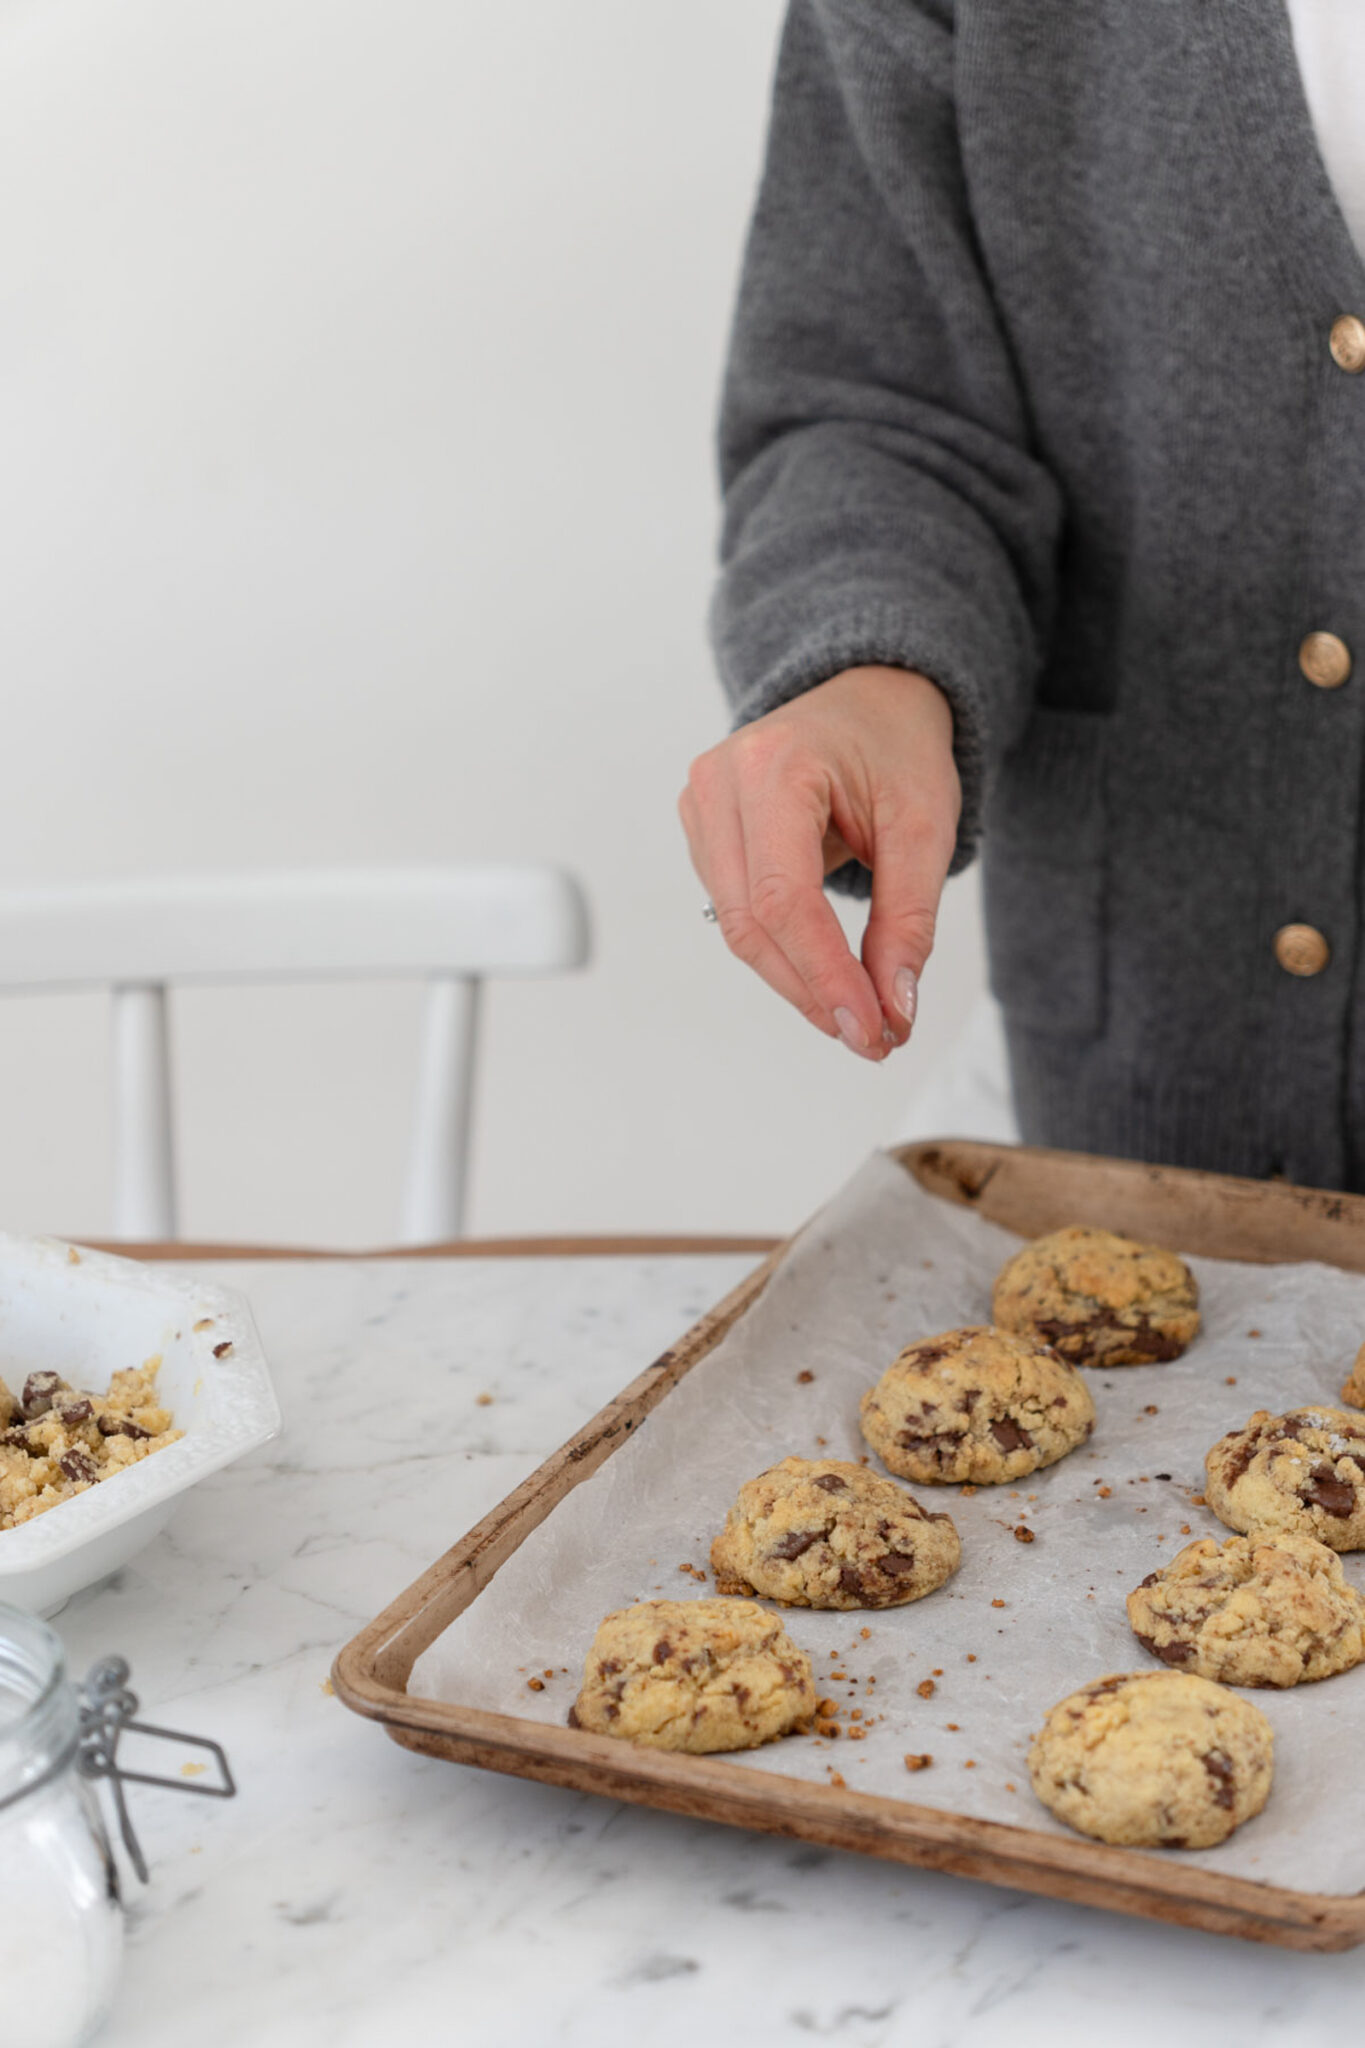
1347, 343
1300, 949
1325, 660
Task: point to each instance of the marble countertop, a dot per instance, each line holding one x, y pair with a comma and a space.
356, 1895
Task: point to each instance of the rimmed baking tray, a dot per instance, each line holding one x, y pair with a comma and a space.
1026, 1190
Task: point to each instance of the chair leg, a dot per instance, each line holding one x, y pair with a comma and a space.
144, 1152
433, 1196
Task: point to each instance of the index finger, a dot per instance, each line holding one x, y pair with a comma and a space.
784, 833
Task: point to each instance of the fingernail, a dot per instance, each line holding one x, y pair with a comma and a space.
851, 1031
905, 990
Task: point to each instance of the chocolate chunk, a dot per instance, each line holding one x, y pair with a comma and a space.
222, 1350
40, 1390
940, 1445
930, 1354
18, 1438
851, 1581
897, 1564
1218, 1764
78, 1465
70, 1413
663, 1650
608, 1665
1151, 1578
1010, 1436
121, 1425
796, 1543
1324, 1490
1169, 1653
832, 1483
1239, 1460
572, 1718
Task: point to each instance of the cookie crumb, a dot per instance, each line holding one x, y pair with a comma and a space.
1151, 1409
804, 1377
967, 1492
997, 1603
1231, 1380
918, 1763
483, 1400
969, 1763
1185, 1529
1253, 1333
1023, 1534
822, 1441
535, 1684
953, 1726
1105, 1492
1198, 1500
835, 1777
970, 1657
926, 1688
548, 1672
1009, 1787
866, 1634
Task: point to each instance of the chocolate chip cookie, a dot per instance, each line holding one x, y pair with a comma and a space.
1302, 1472
976, 1404
1153, 1759
1099, 1299
1267, 1609
813, 1532
695, 1675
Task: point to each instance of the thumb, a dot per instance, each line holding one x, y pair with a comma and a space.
910, 864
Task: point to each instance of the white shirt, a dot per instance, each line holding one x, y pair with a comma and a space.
1329, 37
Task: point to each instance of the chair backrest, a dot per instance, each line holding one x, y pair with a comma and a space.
452, 926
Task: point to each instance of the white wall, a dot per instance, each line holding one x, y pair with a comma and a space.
357, 368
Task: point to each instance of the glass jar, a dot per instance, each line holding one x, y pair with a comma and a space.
61, 1925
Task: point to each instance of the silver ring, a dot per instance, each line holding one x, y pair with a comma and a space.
708, 911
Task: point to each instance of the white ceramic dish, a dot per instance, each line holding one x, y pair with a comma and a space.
85, 1314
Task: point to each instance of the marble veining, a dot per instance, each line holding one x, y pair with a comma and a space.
358, 1896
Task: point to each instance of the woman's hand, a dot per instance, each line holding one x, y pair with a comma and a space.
860, 767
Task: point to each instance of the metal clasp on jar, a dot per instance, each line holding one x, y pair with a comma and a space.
107, 1708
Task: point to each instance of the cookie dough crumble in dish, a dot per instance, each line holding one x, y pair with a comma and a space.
816, 1532
1153, 1760
1099, 1299
695, 1675
1269, 1609
56, 1441
976, 1405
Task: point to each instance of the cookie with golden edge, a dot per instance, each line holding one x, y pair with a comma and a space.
1267, 1609
695, 1675
1153, 1760
1302, 1473
977, 1404
816, 1532
1099, 1299
1354, 1389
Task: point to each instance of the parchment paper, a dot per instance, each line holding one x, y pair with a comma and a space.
882, 1264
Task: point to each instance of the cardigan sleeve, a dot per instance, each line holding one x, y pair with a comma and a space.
882, 503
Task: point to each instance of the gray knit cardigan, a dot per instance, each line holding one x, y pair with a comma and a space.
1030, 388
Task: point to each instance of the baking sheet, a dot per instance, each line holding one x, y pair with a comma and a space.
882, 1264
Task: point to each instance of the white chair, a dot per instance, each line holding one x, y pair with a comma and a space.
453, 926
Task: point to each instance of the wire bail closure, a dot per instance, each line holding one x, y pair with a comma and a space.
107, 1707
